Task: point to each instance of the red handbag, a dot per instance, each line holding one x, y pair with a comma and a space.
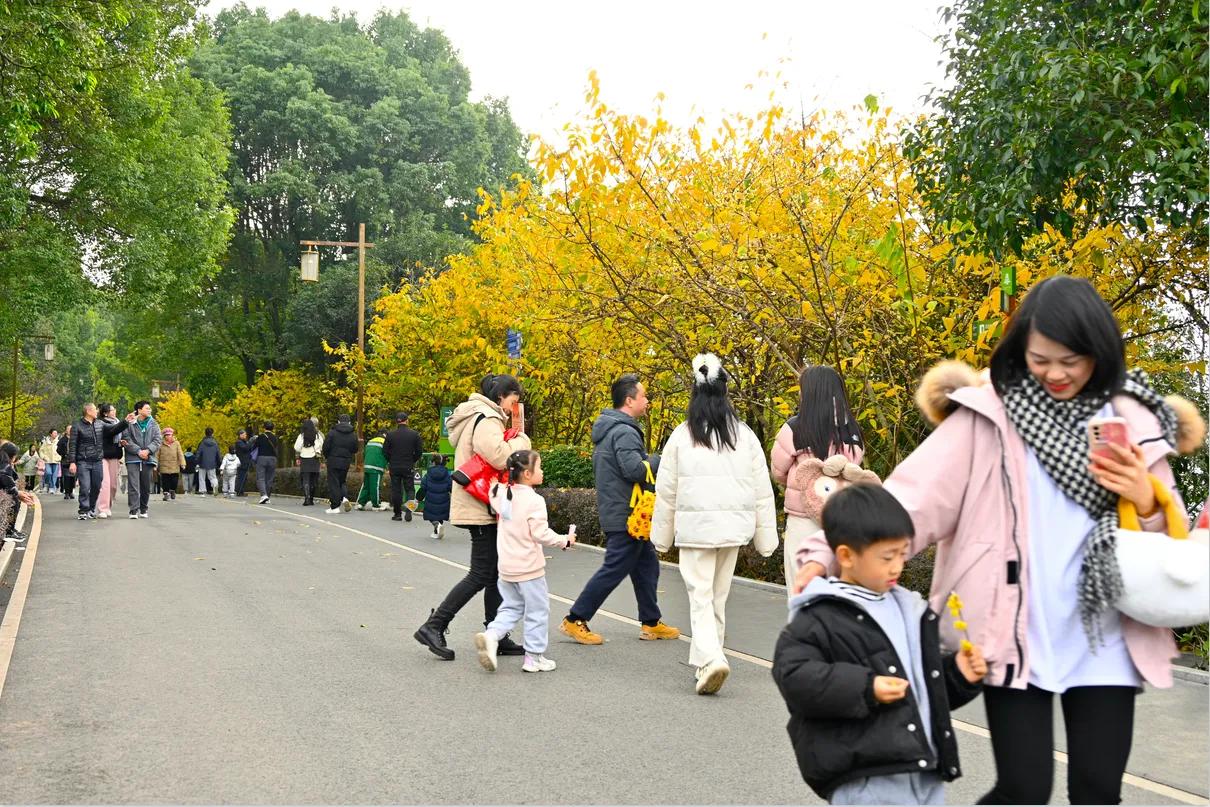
477, 474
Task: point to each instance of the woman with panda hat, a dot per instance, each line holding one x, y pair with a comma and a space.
713, 496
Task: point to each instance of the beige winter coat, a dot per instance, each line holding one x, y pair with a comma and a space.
489, 443
171, 457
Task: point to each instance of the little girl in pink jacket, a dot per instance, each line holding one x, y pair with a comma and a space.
523, 531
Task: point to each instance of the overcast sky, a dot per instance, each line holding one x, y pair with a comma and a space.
537, 53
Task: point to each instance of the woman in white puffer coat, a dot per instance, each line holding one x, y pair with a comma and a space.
713, 496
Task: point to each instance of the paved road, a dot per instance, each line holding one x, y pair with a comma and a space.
225, 652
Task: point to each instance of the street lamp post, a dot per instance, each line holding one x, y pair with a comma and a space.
309, 272
48, 353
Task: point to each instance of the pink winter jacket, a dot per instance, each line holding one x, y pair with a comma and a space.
965, 488
520, 538
785, 456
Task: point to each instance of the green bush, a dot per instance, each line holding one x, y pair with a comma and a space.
567, 467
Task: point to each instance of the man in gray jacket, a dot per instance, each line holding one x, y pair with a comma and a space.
142, 441
617, 463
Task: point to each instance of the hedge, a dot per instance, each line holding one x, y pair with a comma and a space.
579, 506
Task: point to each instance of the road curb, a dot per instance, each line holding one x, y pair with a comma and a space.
1189, 674
7, 548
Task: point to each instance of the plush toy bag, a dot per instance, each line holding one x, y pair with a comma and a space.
1165, 578
642, 505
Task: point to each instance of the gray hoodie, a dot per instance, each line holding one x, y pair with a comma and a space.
617, 464
137, 438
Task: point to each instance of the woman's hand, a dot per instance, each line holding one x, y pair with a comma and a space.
888, 689
1126, 475
805, 574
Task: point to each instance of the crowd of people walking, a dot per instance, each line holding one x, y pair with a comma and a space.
1021, 501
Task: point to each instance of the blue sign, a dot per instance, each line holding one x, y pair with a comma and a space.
514, 344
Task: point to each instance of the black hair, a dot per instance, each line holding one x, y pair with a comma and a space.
518, 463
862, 514
105, 407
627, 386
140, 404
268, 426
231, 448
308, 432
209, 431
33, 447
504, 385
439, 459
1071, 312
242, 431
9, 450
485, 385
825, 422
711, 418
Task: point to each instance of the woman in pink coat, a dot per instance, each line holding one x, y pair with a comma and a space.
824, 426
1024, 523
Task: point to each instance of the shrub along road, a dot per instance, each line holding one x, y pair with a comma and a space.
226, 652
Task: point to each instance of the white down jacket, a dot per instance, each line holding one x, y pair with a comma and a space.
708, 499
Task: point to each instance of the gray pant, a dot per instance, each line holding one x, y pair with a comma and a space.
204, 475
91, 475
531, 598
266, 469
925, 787
138, 485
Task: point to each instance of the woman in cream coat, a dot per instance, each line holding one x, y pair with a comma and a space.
713, 496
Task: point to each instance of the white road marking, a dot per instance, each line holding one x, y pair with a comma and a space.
16, 602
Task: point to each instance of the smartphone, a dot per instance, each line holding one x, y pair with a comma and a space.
518, 421
1103, 432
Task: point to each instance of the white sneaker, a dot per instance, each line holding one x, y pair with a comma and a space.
134, 515
103, 514
264, 500
537, 664
361, 507
440, 530
434, 536
382, 506
346, 505
486, 645
144, 515
332, 510
711, 677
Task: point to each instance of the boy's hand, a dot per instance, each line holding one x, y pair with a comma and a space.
971, 664
888, 689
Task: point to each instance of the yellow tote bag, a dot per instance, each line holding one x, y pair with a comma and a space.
642, 505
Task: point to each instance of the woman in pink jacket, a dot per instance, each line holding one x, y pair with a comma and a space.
1025, 526
824, 426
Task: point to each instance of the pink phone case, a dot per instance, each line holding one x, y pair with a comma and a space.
1102, 432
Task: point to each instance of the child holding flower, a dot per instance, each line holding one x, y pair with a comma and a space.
861, 667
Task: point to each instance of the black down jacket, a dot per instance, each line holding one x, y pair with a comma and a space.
340, 446
824, 665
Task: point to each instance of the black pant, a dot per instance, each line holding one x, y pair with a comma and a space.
30, 481
69, 485
168, 482
402, 481
337, 487
91, 474
483, 576
1100, 726
310, 484
241, 477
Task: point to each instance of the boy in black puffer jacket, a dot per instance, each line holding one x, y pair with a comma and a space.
861, 669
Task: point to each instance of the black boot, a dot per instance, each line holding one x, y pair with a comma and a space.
433, 638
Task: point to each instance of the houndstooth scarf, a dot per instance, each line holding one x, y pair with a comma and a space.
1056, 431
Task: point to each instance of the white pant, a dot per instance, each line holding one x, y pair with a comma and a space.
207, 473
798, 529
707, 574
229, 483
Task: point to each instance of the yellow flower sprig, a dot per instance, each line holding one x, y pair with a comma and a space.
955, 606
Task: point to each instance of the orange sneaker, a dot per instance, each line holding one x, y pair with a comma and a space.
579, 631
658, 631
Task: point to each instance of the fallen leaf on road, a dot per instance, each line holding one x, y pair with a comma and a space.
408, 588
199, 558
213, 569
363, 626
254, 521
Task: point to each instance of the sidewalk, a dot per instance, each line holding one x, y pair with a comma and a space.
1171, 744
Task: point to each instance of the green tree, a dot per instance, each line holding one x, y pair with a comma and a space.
112, 157
1106, 101
337, 123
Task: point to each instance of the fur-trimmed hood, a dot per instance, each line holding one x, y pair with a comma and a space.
945, 378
